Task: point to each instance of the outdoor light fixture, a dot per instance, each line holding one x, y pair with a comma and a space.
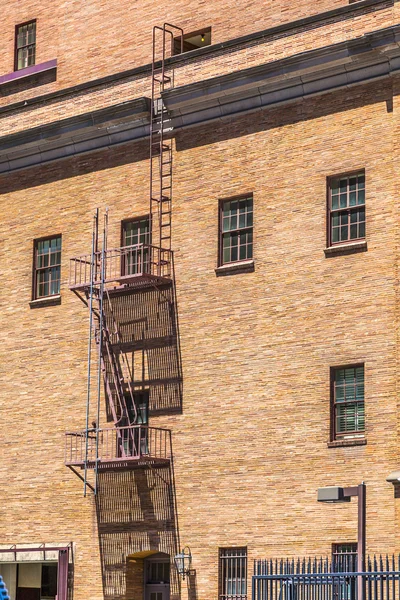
344, 494
394, 478
332, 494
203, 37
183, 561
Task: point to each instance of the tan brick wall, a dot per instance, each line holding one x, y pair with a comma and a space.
250, 447
308, 37
91, 40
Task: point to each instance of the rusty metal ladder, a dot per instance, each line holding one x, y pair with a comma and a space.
160, 139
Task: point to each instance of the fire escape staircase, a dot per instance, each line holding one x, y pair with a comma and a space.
96, 278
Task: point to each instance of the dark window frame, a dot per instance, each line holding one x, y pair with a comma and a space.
335, 435
18, 48
35, 269
223, 567
348, 209
125, 222
176, 41
139, 258
345, 561
221, 204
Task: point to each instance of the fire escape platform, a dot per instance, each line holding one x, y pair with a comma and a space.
126, 464
118, 448
138, 280
137, 266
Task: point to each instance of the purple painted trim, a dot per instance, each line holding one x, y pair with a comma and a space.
33, 70
35, 549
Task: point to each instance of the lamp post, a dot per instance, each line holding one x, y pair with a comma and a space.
345, 494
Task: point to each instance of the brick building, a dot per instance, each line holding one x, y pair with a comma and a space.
226, 188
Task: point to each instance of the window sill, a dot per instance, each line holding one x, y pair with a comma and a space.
30, 77
28, 71
48, 301
246, 266
360, 246
347, 442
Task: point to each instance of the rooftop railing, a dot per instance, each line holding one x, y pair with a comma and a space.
118, 447
128, 264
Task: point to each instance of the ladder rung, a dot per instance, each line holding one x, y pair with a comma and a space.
165, 79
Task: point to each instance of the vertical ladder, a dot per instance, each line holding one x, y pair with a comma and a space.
160, 140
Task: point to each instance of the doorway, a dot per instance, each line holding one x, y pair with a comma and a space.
157, 577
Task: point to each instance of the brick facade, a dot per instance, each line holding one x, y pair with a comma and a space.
250, 441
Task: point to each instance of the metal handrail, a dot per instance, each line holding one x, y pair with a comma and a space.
121, 263
115, 444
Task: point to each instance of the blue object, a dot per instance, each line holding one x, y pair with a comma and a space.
3, 590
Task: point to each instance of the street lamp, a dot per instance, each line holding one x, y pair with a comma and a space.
183, 562
344, 494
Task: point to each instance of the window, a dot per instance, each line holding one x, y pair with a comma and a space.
135, 257
49, 581
158, 572
236, 230
233, 573
136, 442
344, 560
25, 45
192, 41
47, 267
344, 557
346, 208
347, 385
136, 232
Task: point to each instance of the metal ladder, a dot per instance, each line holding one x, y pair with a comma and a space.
160, 139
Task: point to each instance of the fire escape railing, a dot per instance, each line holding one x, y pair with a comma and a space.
123, 264
117, 444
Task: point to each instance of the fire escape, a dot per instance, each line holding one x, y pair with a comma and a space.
102, 277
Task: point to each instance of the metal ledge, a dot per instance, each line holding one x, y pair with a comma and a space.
371, 57
262, 36
91, 131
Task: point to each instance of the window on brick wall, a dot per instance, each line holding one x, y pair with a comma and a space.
344, 560
47, 267
236, 230
347, 402
25, 45
233, 573
344, 557
346, 208
192, 41
135, 240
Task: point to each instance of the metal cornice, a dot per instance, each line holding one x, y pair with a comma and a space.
373, 56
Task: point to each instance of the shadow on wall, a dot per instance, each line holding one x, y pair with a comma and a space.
136, 515
287, 114
148, 326
192, 585
76, 167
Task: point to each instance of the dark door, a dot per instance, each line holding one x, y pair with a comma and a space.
137, 443
157, 580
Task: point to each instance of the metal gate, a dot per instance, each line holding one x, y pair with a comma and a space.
320, 579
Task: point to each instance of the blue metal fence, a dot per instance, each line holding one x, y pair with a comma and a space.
326, 579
